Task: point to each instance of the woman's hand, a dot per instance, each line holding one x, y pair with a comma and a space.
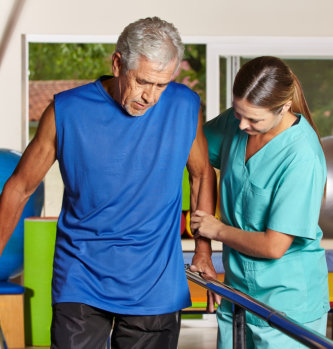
206, 225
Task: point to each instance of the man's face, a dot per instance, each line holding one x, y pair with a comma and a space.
139, 89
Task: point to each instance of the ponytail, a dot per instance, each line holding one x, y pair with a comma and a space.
300, 106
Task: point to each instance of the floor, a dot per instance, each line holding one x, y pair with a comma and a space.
198, 334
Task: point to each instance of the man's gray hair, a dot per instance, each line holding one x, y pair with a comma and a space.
153, 38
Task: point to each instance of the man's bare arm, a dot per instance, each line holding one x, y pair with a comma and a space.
203, 196
202, 178
30, 171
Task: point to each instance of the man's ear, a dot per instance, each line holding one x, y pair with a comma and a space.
116, 64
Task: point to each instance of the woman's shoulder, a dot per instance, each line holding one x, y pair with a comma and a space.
304, 144
305, 137
224, 122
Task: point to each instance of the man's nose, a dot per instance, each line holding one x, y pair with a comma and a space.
149, 94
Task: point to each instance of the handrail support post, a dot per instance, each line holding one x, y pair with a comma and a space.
239, 327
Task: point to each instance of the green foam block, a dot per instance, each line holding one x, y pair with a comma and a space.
39, 242
186, 191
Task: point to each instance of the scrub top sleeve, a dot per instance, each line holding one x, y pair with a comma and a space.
215, 131
214, 141
296, 204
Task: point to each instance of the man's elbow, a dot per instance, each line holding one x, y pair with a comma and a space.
17, 189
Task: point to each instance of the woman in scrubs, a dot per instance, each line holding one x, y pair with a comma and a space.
272, 179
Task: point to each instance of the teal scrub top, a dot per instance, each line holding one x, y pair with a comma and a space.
279, 188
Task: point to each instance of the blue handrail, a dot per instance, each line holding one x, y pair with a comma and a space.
273, 317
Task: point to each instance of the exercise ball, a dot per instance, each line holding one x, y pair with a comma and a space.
326, 212
11, 260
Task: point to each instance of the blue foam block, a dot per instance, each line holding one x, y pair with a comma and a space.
10, 288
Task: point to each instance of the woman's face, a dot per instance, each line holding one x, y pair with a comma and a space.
255, 120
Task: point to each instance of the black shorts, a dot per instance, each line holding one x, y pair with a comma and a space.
79, 326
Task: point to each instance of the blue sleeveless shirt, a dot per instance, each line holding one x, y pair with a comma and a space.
118, 244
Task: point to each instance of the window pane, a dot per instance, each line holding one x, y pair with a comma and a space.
223, 84
68, 61
316, 77
192, 72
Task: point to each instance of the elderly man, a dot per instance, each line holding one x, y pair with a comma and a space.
122, 143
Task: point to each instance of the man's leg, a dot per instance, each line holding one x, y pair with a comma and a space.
78, 326
148, 332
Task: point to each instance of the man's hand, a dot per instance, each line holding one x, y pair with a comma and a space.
202, 263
